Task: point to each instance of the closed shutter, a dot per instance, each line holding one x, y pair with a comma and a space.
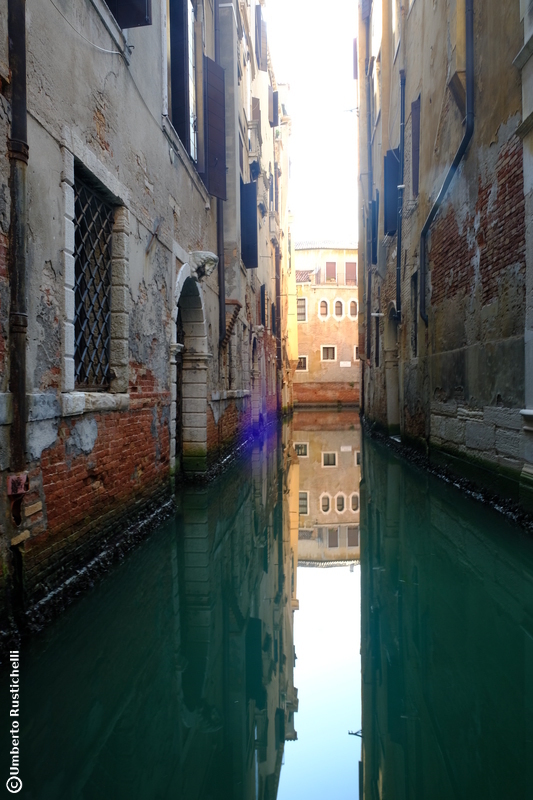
351, 273
215, 137
415, 138
275, 121
390, 203
249, 253
263, 304
273, 319
270, 105
131, 13
375, 218
258, 31
263, 65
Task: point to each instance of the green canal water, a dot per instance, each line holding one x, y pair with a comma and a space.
209, 665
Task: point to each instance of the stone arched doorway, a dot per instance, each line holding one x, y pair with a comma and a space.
189, 356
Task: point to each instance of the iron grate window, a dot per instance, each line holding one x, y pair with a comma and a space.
94, 231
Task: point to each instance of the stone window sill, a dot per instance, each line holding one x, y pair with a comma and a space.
74, 403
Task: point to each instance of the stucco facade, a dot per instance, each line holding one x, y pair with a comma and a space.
327, 313
151, 348
442, 231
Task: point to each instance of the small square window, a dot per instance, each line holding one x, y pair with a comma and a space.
302, 364
301, 449
329, 459
301, 304
328, 353
303, 504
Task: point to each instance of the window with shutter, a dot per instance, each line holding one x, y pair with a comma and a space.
275, 121
351, 273
131, 13
249, 251
215, 129
301, 309
375, 218
353, 536
260, 39
331, 271
390, 202
270, 105
182, 78
273, 319
333, 537
263, 304
415, 143
263, 66
353, 308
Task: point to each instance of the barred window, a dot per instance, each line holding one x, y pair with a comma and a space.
301, 308
303, 503
302, 364
328, 353
92, 292
329, 459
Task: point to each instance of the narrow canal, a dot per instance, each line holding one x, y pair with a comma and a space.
318, 587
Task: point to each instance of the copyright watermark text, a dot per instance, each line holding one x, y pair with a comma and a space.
14, 783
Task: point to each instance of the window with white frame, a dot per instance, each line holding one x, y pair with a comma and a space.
303, 503
338, 308
301, 449
354, 501
323, 308
329, 459
302, 364
353, 308
329, 352
325, 503
331, 272
356, 353
301, 309
340, 502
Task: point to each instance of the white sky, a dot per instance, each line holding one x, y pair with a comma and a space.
311, 45
324, 762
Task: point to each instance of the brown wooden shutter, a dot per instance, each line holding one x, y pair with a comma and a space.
415, 139
351, 273
263, 65
390, 202
258, 34
179, 70
331, 271
249, 251
131, 13
375, 218
215, 129
276, 109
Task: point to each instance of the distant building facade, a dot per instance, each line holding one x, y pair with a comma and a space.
328, 369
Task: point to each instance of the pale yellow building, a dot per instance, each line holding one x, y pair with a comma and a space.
327, 309
328, 446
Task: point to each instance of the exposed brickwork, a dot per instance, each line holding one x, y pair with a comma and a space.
499, 234
326, 393
4, 312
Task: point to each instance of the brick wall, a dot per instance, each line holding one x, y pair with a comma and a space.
326, 393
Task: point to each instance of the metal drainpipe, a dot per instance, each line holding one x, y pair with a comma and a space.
400, 200
18, 157
370, 192
469, 130
220, 215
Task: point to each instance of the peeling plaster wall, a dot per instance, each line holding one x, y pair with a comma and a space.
461, 380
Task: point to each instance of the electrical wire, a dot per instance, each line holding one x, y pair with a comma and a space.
102, 50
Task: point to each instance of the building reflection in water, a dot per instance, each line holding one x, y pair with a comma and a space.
174, 677
327, 444
447, 641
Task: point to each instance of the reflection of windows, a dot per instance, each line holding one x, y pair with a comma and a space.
301, 449
341, 503
355, 502
301, 307
353, 536
353, 308
329, 459
323, 308
325, 503
333, 537
302, 364
328, 353
303, 503
331, 271
338, 308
